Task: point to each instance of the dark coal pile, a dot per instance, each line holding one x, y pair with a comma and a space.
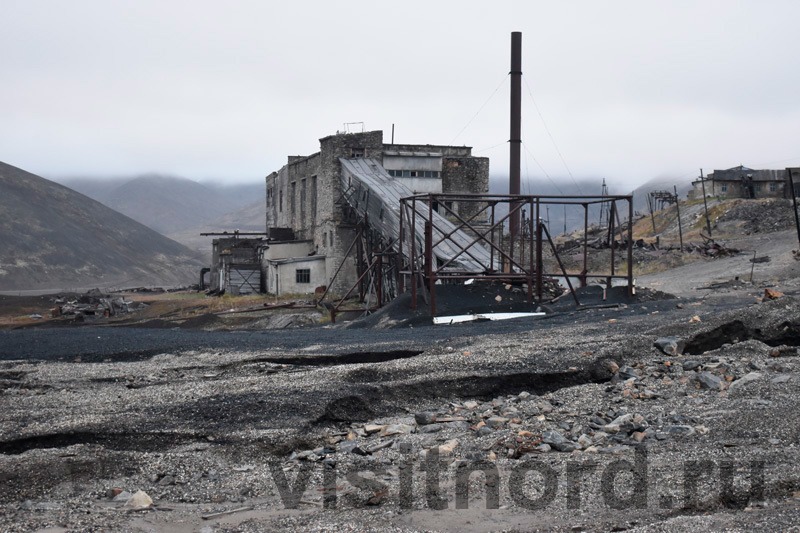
478, 297
761, 216
207, 320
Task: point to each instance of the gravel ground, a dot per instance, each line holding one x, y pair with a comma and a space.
208, 422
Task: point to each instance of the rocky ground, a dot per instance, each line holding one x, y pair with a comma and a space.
618, 433
655, 413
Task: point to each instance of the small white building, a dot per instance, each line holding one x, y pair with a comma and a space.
292, 268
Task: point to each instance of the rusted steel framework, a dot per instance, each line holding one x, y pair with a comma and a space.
375, 266
662, 199
518, 260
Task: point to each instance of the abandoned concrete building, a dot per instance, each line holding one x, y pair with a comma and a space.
236, 265
743, 182
305, 203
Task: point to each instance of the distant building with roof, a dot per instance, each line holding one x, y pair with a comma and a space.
743, 182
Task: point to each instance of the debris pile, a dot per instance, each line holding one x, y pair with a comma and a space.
94, 304
761, 216
711, 248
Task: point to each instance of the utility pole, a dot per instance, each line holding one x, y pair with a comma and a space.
565, 219
650, 207
705, 203
548, 218
678, 208
604, 213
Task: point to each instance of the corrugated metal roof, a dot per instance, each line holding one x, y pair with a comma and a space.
372, 192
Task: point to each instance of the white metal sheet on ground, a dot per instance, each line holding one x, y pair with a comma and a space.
455, 319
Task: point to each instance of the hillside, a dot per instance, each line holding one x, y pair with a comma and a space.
166, 203
54, 237
247, 218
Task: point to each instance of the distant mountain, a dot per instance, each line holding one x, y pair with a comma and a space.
574, 215
238, 194
52, 237
248, 218
167, 204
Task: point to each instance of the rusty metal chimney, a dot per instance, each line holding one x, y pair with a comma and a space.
515, 140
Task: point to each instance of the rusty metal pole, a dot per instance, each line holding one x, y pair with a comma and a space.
794, 202
413, 268
522, 240
630, 246
379, 279
360, 261
515, 139
585, 243
429, 270
491, 248
400, 278
611, 240
530, 252
539, 262
705, 202
678, 208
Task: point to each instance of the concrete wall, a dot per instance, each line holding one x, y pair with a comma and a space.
286, 250
466, 175
281, 276
738, 189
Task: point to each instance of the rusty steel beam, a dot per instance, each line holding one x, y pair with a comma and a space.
515, 134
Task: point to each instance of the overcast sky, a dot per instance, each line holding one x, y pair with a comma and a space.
630, 91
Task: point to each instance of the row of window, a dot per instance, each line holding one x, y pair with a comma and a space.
414, 173
293, 194
758, 187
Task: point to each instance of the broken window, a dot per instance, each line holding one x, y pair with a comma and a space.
292, 195
303, 201
280, 200
771, 187
358, 152
302, 275
313, 198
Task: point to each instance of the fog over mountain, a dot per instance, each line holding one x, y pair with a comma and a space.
52, 237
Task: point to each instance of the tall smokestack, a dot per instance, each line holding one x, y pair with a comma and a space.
515, 140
